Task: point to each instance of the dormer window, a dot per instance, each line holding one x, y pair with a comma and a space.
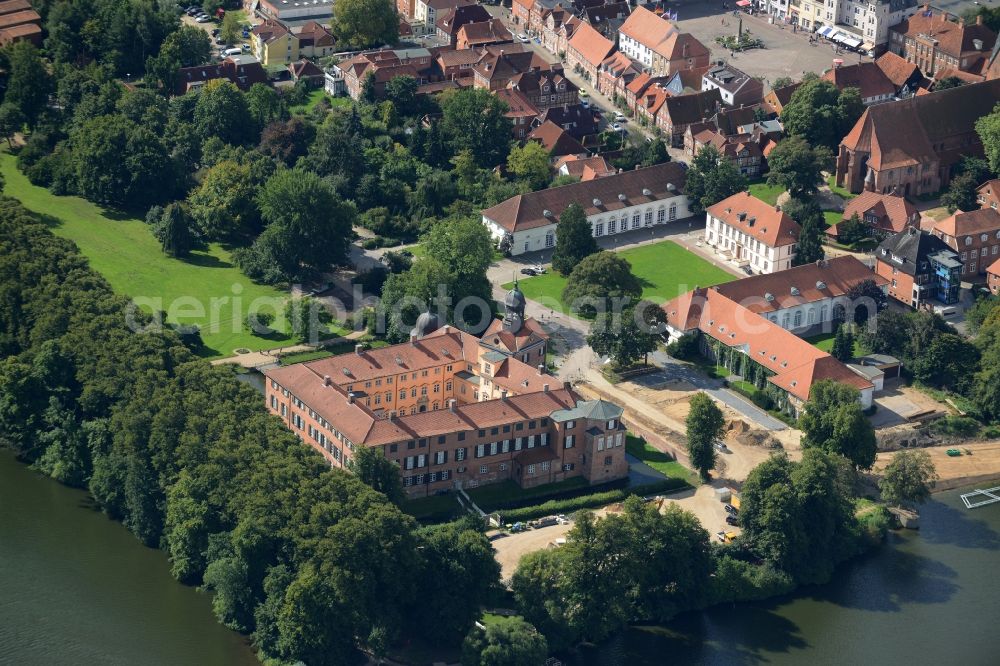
968, 240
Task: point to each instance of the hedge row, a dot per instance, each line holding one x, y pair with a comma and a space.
591, 501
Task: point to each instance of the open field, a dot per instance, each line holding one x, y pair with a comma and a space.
205, 289
665, 270
314, 99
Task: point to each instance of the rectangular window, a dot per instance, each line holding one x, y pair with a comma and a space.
618, 439
545, 439
545, 466
484, 469
518, 443
607, 460
600, 443
393, 448
480, 450
441, 439
568, 467
531, 469
422, 460
459, 454
531, 441
569, 441
506, 446
493, 448
441, 457
503, 467
635, 221
461, 436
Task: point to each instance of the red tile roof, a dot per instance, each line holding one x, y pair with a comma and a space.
796, 363
556, 140
952, 38
894, 213
639, 186
758, 219
867, 77
592, 46
813, 282
896, 68
982, 220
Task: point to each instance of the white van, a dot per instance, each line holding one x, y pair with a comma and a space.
232, 52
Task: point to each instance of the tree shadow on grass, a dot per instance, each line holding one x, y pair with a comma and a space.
205, 260
50, 221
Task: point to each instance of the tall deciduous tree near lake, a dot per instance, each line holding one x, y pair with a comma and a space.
704, 427
833, 421
908, 478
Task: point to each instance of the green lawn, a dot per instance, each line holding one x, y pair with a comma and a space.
314, 98
303, 357
658, 460
832, 217
824, 342
124, 251
490, 497
765, 192
665, 269
433, 508
831, 181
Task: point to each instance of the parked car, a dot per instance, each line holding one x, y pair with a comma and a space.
523, 38
584, 93
731, 520
528, 270
721, 447
732, 510
215, 32
620, 117
584, 103
616, 127
202, 19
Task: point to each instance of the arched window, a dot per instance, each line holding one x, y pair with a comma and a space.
798, 318
968, 240
822, 313
612, 225
673, 211
661, 215
784, 320
812, 316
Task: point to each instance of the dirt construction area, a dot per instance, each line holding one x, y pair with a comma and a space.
979, 462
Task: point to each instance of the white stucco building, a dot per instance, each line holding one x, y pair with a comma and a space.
752, 233
614, 204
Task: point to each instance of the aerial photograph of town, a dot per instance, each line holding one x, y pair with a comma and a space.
499, 332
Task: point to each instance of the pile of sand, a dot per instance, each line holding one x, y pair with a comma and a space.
758, 437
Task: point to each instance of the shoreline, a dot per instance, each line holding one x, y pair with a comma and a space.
979, 463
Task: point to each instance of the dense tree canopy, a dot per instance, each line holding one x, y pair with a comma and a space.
475, 119
820, 113
505, 642
365, 23
304, 558
712, 178
601, 282
704, 424
833, 421
908, 478
797, 166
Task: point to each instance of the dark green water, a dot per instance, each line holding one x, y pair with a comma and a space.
927, 597
77, 588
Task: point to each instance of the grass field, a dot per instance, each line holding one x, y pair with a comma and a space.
831, 181
832, 217
824, 342
665, 269
314, 99
124, 251
765, 192
658, 460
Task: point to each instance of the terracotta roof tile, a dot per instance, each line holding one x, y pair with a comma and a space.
556, 140
952, 38
592, 46
757, 219
867, 77
896, 68
895, 209
974, 222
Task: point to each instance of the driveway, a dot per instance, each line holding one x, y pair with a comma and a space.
674, 369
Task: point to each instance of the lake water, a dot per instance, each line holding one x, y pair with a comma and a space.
77, 588
926, 597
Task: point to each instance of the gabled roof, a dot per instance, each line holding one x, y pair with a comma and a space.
989, 192
911, 247
639, 186
733, 80
981, 220
484, 32
778, 98
904, 133
896, 68
556, 140
574, 118
649, 29
585, 168
595, 410
452, 20
305, 68
317, 35
867, 77
796, 363
894, 212
808, 283
952, 38
518, 106
994, 268
757, 219
683, 109
592, 46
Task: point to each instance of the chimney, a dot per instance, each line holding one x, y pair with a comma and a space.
979, 19
777, 208
359, 348
446, 328
545, 388
503, 394
567, 385
350, 398
541, 368
326, 380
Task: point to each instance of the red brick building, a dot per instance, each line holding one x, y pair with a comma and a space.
975, 236
933, 42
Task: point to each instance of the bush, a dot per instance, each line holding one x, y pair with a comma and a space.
736, 580
589, 501
956, 426
684, 348
371, 243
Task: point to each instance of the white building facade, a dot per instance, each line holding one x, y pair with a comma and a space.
745, 250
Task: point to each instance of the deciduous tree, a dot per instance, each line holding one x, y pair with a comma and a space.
601, 282
504, 642
711, 178
797, 166
704, 424
363, 23
574, 239
908, 478
381, 474
475, 119
833, 421
531, 163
